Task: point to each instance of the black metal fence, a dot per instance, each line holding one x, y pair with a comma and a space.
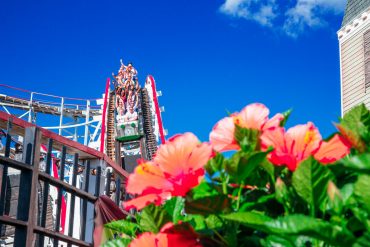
32, 221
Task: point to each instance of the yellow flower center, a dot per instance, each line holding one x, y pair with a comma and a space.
146, 168
237, 120
309, 137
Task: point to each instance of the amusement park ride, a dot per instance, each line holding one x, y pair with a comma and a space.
84, 146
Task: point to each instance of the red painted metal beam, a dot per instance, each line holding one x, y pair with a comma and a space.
102, 132
157, 110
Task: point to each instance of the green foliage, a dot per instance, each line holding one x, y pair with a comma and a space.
123, 226
152, 218
286, 117
175, 208
196, 221
358, 121
362, 191
207, 205
355, 127
242, 164
310, 181
363, 241
248, 139
215, 164
295, 225
358, 163
205, 199
245, 200
120, 242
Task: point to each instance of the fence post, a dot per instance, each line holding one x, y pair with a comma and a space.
4, 172
27, 208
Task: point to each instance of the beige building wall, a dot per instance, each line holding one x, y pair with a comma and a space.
352, 45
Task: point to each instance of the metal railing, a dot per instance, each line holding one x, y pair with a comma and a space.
75, 118
33, 198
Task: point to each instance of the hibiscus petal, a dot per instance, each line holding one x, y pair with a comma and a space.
146, 176
142, 201
283, 159
144, 240
333, 150
302, 140
172, 157
222, 135
199, 156
162, 240
254, 116
185, 182
273, 137
274, 121
181, 235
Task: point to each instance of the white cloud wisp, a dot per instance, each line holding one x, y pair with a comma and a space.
293, 18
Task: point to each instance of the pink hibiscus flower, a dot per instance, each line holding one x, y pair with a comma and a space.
176, 168
299, 142
253, 116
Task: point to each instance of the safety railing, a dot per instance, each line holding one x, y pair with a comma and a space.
48, 189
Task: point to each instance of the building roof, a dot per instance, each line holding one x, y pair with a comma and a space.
354, 8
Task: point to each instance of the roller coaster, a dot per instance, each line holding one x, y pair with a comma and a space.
98, 122
116, 129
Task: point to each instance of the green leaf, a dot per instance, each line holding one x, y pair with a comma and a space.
274, 240
153, 218
120, 242
175, 207
347, 192
359, 163
248, 139
269, 168
286, 117
362, 191
363, 241
281, 191
205, 199
357, 120
355, 127
310, 181
295, 225
207, 205
242, 165
251, 219
261, 201
123, 226
353, 137
196, 221
215, 164
213, 222
335, 202
204, 189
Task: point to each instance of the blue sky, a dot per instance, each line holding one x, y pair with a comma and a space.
208, 57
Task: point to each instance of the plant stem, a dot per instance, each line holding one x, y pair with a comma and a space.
221, 238
312, 211
239, 195
224, 185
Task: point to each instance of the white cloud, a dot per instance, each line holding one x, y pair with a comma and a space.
262, 12
293, 16
310, 13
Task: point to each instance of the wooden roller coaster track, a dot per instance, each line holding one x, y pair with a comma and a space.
111, 152
151, 143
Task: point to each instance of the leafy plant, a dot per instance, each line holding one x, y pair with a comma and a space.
279, 187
